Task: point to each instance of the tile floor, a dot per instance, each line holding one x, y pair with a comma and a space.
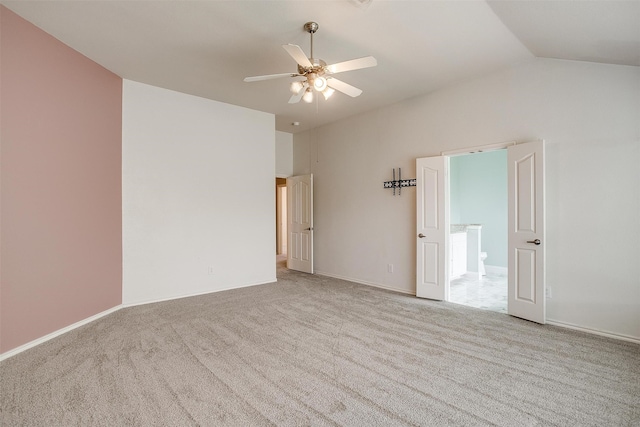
489, 293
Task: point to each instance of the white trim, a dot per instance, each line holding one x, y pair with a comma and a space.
59, 332
363, 282
593, 331
133, 304
478, 148
90, 319
83, 322
548, 321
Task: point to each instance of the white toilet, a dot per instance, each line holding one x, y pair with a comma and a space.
481, 270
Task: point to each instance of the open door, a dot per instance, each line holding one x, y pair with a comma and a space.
432, 218
300, 223
526, 231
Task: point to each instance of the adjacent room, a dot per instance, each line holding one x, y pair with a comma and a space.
478, 230
357, 212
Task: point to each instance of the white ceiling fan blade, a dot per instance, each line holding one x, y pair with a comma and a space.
343, 87
297, 97
354, 64
270, 76
298, 55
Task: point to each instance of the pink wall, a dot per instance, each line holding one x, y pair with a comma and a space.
61, 199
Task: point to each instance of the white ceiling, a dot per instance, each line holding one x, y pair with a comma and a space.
206, 48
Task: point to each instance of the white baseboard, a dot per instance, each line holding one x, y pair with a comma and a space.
500, 270
90, 319
83, 322
133, 304
363, 282
622, 337
59, 332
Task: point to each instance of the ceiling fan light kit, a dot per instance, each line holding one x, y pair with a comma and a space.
320, 84
308, 96
316, 72
296, 87
328, 92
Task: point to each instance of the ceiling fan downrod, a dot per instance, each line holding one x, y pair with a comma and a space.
311, 27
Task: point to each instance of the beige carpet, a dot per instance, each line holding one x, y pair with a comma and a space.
310, 350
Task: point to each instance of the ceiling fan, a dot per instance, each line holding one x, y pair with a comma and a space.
317, 74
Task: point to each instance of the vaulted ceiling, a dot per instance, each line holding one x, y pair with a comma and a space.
206, 48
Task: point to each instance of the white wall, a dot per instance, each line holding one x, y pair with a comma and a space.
284, 154
197, 179
589, 116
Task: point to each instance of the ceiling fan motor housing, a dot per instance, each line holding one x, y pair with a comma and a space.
317, 68
311, 27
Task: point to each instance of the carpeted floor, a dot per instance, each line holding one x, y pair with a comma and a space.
310, 350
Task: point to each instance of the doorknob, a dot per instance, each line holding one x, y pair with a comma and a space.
421, 235
308, 229
535, 242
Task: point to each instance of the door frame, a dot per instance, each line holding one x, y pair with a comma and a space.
478, 149
281, 215
463, 151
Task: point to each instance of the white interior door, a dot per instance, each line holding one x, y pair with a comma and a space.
526, 231
300, 223
432, 217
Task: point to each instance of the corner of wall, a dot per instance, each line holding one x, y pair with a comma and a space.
61, 246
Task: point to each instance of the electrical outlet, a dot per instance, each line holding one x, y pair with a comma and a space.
390, 268
547, 292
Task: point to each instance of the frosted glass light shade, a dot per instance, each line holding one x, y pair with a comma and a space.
328, 92
308, 96
296, 87
320, 84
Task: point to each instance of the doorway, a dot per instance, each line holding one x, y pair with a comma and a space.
478, 240
525, 235
294, 223
281, 221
